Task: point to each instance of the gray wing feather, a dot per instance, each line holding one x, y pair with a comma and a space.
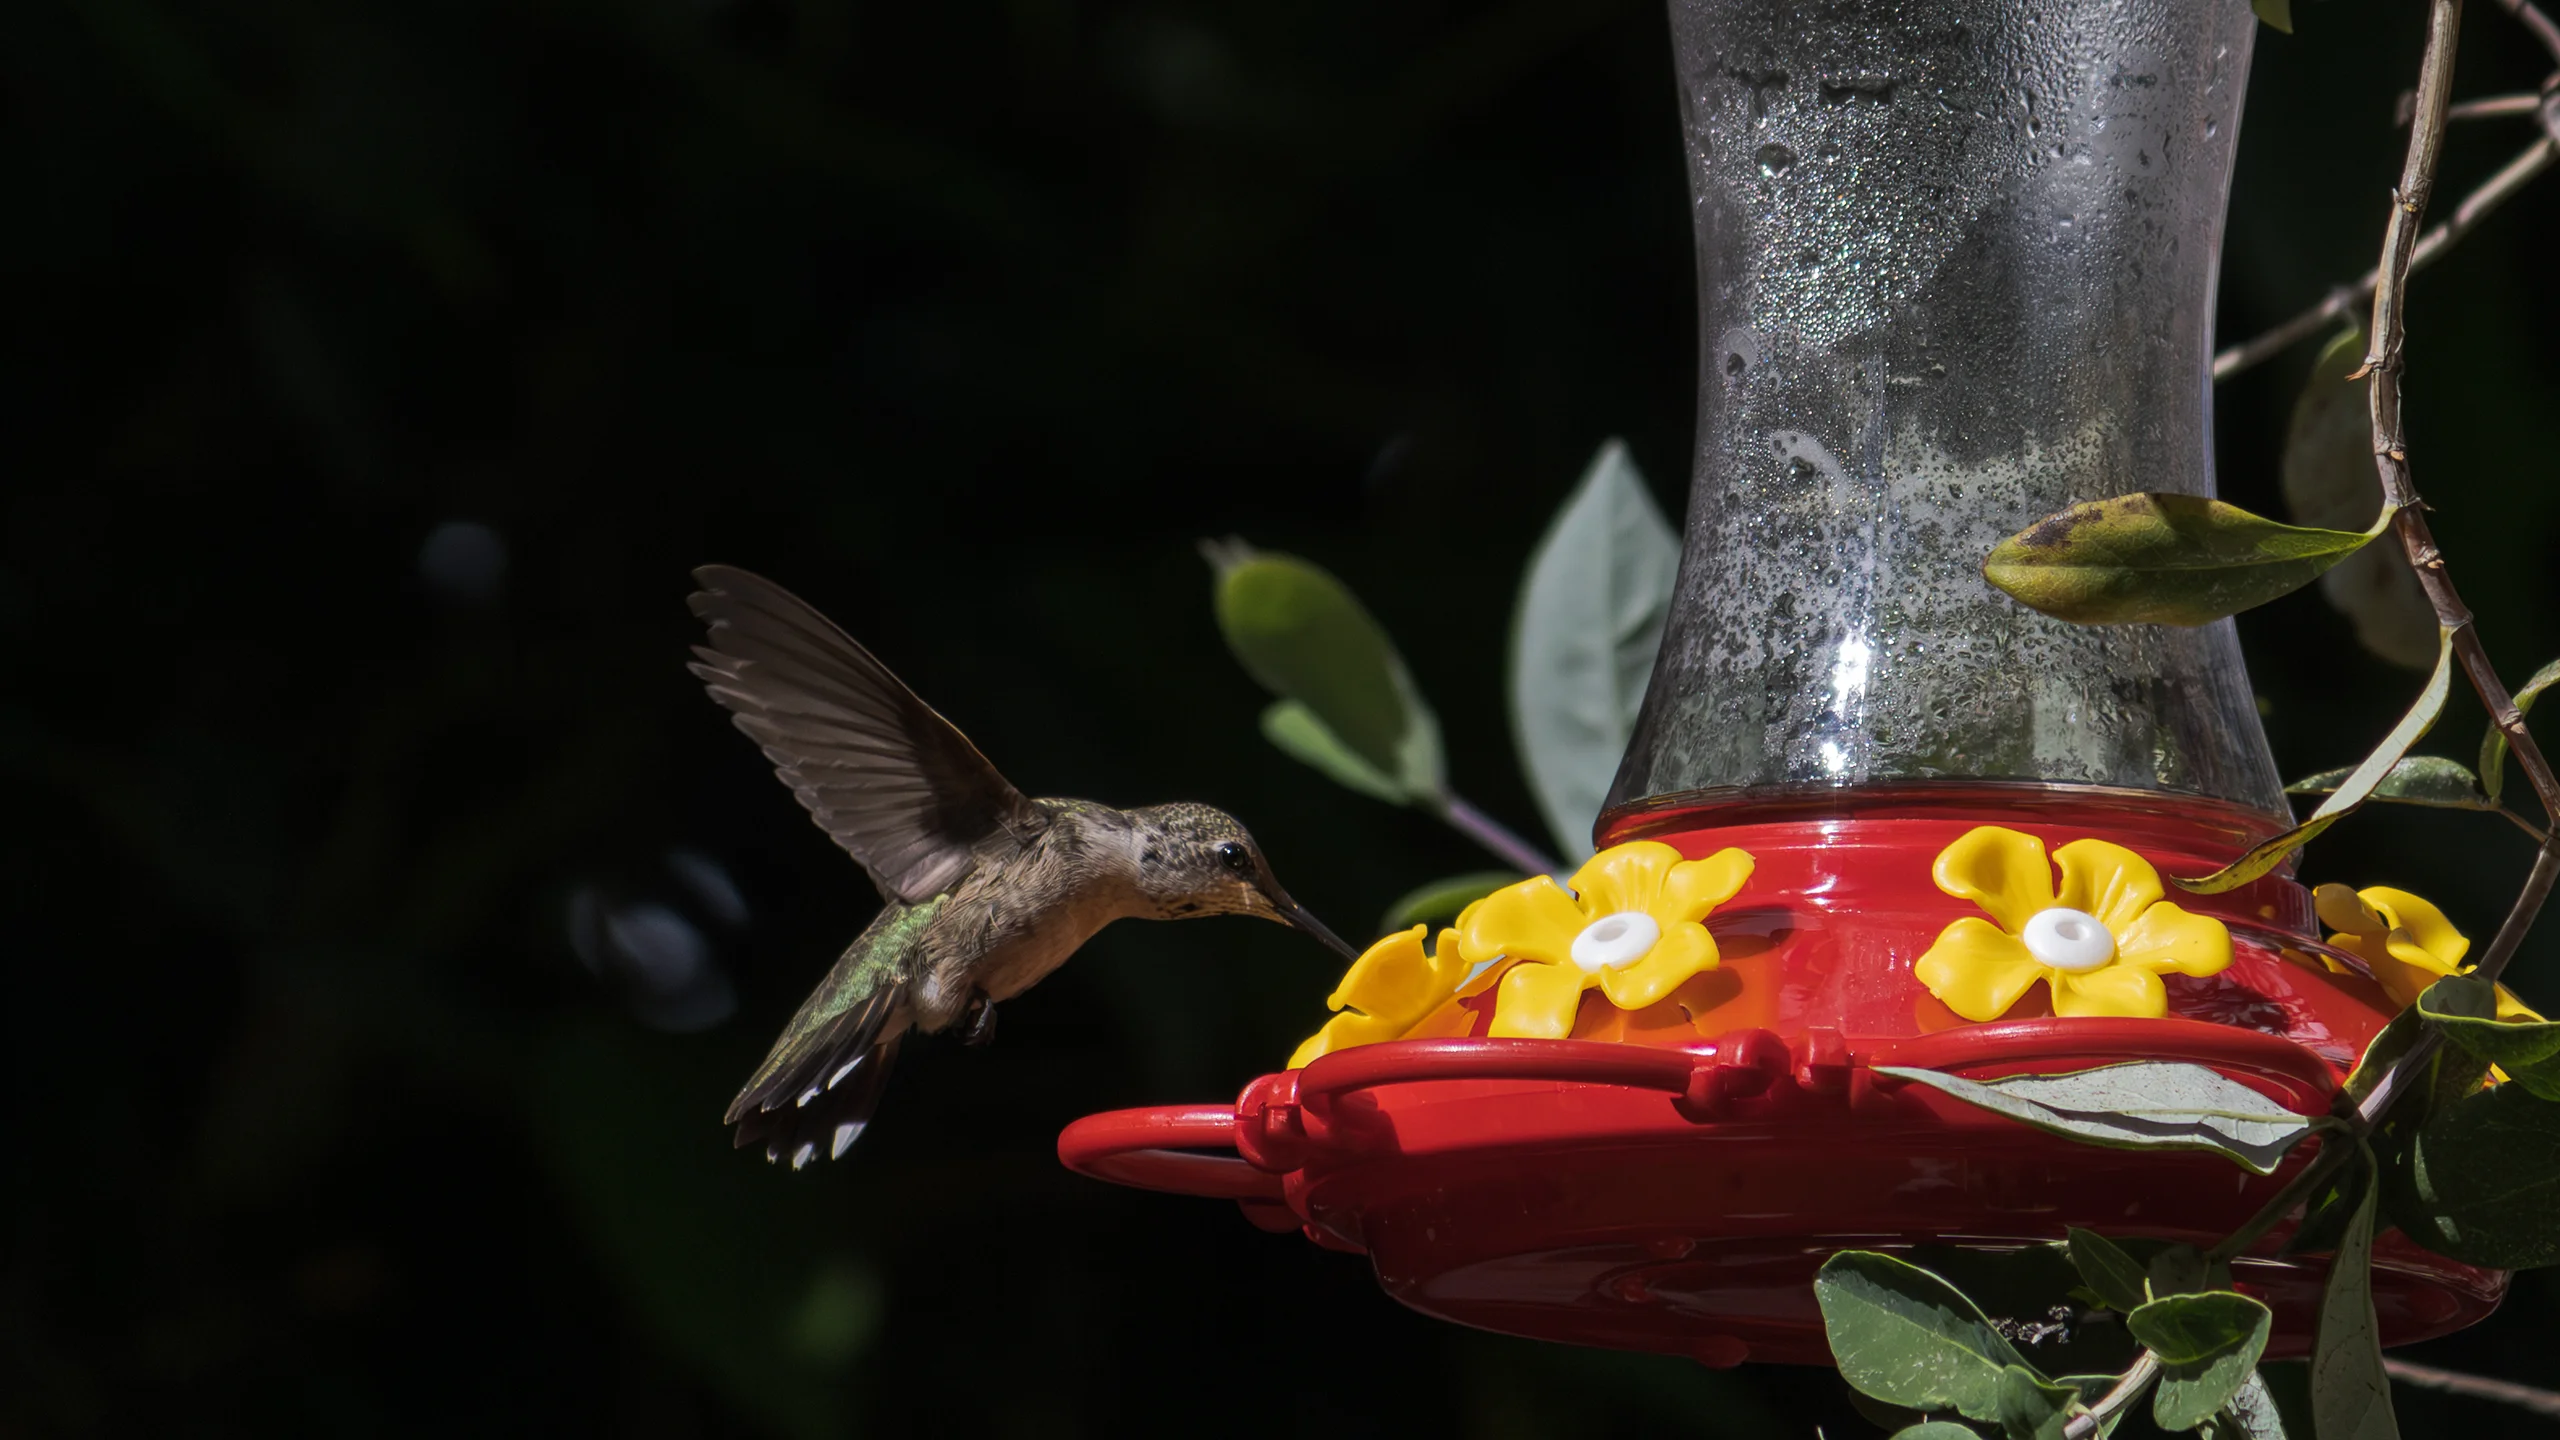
898, 786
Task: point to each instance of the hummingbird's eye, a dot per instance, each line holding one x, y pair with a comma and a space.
1236, 858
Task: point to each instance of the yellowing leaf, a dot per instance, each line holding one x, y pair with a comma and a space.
2429, 780
2160, 560
2352, 791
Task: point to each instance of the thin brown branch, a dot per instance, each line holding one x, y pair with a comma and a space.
2338, 304
2494, 107
2534, 20
2510, 936
2493, 192
2383, 362
2478, 1387
2400, 237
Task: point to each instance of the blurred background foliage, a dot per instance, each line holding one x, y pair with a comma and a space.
390, 916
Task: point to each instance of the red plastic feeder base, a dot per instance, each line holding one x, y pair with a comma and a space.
1673, 1187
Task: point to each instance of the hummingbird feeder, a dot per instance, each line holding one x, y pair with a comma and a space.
1956, 269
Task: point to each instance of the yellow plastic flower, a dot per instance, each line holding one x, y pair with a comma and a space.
2100, 943
1631, 926
1387, 991
2404, 942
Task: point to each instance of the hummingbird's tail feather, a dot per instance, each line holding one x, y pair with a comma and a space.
824, 1079
828, 1123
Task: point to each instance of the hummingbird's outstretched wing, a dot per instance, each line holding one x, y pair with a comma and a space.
895, 783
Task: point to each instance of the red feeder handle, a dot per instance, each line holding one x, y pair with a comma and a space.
1585, 1062
1156, 1148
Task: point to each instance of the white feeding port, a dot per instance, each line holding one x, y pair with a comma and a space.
2068, 939
1615, 941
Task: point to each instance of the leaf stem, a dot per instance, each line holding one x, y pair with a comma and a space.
1495, 837
2295, 1191
2128, 1388
2540, 835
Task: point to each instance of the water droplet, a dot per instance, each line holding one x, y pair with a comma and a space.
1774, 159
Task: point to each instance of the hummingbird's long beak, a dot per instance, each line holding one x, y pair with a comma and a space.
1294, 914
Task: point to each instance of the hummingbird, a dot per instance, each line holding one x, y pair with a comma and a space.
985, 890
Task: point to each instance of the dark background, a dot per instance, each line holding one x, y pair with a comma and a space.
376, 372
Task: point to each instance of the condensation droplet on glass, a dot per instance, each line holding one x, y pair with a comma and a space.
1775, 158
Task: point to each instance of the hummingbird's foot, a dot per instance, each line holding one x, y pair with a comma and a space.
980, 1020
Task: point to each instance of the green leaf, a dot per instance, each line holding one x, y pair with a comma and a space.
2329, 1208
2025, 1292
2032, 1407
2208, 1346
2350, 1394
1906, 1337
2351, 792
2466, 1006
1302, 634
1891, 1419
1582, 641
2092, 1388
1937, 1430
2277, 13
2161, 560
2447, 1076
1443, 899
2112, 1274
2481, 1182
2329, 480
2384, 1051
2493, 745
2429, 780
2144, 1105
1302, 737
2252, 1413
2181, 1269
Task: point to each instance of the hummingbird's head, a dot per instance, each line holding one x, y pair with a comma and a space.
1199, 860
